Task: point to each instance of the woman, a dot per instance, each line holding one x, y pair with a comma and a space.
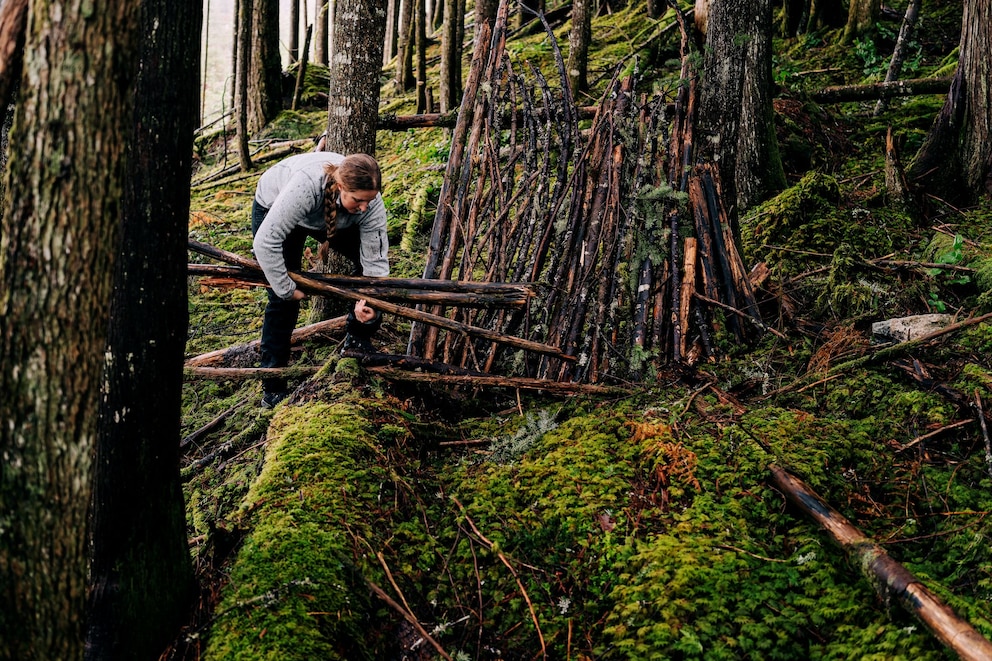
337, 200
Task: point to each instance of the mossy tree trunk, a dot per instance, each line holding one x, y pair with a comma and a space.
59, 237
955, 161
735, 117
861, 17
141, 577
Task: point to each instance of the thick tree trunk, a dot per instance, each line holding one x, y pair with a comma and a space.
735, 103
955, 161
356, 63
578, 46
450, 85
861, 17
265, 68
141, 578
59, 227
389, 42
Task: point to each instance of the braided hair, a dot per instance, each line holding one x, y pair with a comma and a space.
357, 172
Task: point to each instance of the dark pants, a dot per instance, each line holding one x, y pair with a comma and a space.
281, 315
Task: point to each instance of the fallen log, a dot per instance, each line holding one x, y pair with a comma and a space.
312, 286
392, 122
248, 352
889, 577
395, 290
876, 91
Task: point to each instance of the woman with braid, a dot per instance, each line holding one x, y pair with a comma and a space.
335, 199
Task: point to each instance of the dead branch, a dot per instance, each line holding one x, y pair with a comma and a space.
313, 286
408, 616
494, 381
985, 431
396, 290
889, 577
216, 423
935, 432
247, 373
249, 351
875, 91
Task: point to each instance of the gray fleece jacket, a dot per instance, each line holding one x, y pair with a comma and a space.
293, 192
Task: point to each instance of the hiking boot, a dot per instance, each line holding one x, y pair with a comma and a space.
357, 343
270, 399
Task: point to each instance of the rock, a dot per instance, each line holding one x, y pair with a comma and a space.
903, 329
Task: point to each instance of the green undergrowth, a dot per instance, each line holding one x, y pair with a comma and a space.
626, 530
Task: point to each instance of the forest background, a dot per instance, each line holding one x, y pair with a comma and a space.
371, 516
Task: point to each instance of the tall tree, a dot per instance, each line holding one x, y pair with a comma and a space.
265, 97
955, 161
321, 34
58, 238
578, 46
241, 93
405, 78
356, 66
735, 105
420, 21
389, 42
450, 84
294, 30
141, 578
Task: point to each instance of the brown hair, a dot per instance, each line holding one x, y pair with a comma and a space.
357, 172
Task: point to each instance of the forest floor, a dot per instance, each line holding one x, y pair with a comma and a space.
369, 518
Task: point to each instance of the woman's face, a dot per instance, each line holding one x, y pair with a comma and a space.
356, 201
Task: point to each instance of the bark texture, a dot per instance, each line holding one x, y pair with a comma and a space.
578, 46
141, 576
955, 161
450, 86
265, 69
735, 119
356, 64
57, 244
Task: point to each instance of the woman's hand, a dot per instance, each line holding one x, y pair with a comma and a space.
298, 295
363, 312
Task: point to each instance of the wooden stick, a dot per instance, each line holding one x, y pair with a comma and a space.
311, 285
935, 432
985, 432
408, 616
888, 576
523, 383
246, 373
220, 357
197, 435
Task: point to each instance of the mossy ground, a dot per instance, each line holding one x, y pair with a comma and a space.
632, 528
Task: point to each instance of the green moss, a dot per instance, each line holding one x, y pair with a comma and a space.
295, 592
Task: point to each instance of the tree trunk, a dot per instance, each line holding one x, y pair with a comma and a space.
485, 14
825, 14
578, 46
60, 219
141, 577
899, 52
861, 17
450, 86
955, 161
404, 57
420, 21
356, 64
389, 43
527, 11
320, 34
294, 31
735, 104
241, 83
265, 68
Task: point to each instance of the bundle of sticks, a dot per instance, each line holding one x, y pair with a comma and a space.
625, 239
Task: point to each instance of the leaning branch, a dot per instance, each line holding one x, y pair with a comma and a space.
313, 286
890, 578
